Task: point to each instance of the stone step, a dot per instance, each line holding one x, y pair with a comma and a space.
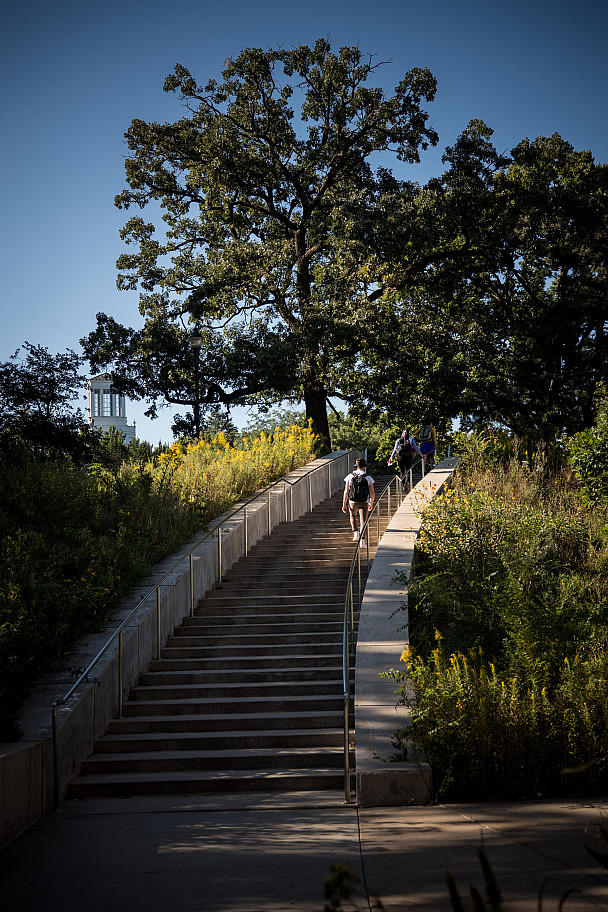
249, 662
199, 722
248, 638
202, 624
239, 651
234, 692
287, 607
297, 562
306, 551
245, 706
229, 740
214, 782
212, 760
277, 584
240, 678
255, 598
289, 575
249, 626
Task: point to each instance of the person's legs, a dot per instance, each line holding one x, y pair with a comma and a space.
405, 465
363, 509
427, 449
357, 510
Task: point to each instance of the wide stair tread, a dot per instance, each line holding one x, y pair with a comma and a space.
194, 782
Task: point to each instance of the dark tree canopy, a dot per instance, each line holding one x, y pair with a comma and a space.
502, 301
270, 206
37, 400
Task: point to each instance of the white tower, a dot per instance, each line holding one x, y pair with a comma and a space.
108, 409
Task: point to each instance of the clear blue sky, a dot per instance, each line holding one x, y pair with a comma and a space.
74, 75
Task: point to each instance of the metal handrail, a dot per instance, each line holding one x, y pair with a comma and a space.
217, 530
348, 632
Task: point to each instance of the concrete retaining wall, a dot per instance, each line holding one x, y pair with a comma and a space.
381, 638
26, 766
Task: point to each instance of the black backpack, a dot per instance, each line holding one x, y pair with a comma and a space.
426, 433
404, 448
358, 489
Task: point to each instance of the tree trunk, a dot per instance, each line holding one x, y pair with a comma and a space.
316, 409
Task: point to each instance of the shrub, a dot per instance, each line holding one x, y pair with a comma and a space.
512, 574
74, 540
589, 454
488, 734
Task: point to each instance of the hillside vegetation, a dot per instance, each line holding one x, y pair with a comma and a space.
74, 538
508, 659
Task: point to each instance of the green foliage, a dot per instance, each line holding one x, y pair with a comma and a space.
588, 452
74, 539
509, 629
498, 273
488, 733
270, 208
37, 413
274, 419
71, 542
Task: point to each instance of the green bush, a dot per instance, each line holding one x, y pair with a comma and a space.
488, 734
71, 542
589, 454
74, 538
512, 580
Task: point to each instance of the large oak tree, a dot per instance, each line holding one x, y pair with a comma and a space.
270, 206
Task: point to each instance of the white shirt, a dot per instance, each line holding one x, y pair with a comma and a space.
370, 480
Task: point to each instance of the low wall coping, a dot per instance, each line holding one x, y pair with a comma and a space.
382, 635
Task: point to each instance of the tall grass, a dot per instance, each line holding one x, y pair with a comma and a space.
74, 540
216, 474
509, 633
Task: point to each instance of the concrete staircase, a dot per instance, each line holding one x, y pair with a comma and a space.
247, 694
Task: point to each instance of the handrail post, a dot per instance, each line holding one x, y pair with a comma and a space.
269, 517
158, 622
120, 675
245, 529
349, 625
347, 740
310, 494
329, 479
219, 554
359, 570
56, 784
191, 585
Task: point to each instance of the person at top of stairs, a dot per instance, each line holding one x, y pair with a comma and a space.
358, 498
404, 449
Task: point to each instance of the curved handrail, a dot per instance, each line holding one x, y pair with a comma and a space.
349, 622
156, 589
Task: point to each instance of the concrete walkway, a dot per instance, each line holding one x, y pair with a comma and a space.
272, 853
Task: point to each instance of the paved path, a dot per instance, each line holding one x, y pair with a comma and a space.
272, 853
